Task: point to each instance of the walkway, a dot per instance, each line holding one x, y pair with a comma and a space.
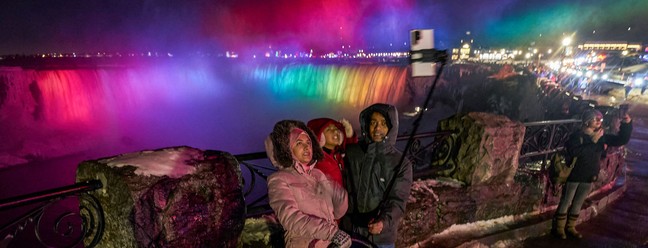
624, 223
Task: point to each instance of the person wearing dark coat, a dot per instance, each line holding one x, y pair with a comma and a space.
371, 165
586, 146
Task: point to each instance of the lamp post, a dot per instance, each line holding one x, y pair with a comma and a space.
623, 57
565, 43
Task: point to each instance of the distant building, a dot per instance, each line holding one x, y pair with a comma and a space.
610, 46
463, 52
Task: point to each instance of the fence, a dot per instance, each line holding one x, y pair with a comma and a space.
55, 224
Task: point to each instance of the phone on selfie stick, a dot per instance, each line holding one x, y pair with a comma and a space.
623, 110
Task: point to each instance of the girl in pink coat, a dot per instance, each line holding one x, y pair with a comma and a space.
305, 201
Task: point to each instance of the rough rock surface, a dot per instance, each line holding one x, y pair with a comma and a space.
172, 197
489, 147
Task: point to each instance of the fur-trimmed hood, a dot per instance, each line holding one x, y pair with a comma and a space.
391, 115
318, 125
278, 144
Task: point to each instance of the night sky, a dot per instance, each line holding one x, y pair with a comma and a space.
37, 26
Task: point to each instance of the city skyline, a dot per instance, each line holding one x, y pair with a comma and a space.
31, 27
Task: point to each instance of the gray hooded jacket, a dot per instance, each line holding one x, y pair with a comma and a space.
370, 167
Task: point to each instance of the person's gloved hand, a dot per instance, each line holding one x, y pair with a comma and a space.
348, 129
341, 239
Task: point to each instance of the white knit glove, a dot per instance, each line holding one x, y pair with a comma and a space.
341, 239
348, 129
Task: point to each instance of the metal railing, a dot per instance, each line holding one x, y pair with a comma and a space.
69, 228
541, 140
430, 153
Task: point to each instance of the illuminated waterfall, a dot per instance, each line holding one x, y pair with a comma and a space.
353, 85
208, 106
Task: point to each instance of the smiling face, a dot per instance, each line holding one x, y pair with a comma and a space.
378, 128
303, 149
332, 136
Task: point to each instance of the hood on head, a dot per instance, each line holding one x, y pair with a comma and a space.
278, 143
391, 115
318, 125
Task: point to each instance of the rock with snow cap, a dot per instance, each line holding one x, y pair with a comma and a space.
171, 197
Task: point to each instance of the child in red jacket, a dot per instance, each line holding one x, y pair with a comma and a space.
332, 137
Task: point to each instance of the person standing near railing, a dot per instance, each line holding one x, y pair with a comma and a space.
305, 201
586, 146
628, 87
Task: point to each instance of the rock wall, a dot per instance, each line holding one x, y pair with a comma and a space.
172, 197
435, 205
489, 148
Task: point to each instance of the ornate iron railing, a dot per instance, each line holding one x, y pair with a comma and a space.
542, 139
70, 228
255, 168
430, 153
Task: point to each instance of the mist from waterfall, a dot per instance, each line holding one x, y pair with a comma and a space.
207, 105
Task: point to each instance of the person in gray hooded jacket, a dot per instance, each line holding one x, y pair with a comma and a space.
371, 164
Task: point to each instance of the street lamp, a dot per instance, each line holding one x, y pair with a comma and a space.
566, 41
565, 44
623, 57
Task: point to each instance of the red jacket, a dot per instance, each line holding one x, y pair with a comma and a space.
332, 164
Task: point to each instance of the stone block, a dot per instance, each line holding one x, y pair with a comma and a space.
489, 147
171, 197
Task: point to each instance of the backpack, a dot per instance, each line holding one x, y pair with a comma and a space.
561, 165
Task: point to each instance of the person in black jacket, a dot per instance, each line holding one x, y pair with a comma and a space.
586, 146
375, 209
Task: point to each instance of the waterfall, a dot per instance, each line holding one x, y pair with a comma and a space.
228, 107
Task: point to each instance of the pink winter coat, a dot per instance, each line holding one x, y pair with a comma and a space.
306, 206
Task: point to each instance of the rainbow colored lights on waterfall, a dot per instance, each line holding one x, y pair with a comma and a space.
98, 97
215, 106
354, 85
95, 96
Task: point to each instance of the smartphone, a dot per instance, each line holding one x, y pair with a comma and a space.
421, 39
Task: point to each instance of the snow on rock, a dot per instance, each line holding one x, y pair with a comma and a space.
171, 197
172, 162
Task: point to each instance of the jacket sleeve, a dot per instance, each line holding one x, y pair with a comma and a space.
291, 217
622, 137
340, 201
398, 196
351, 140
